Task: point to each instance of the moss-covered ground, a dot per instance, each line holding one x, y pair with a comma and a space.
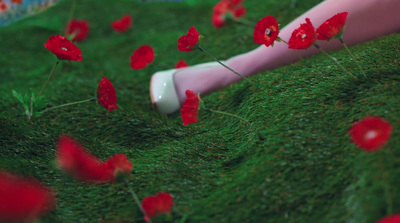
294, 162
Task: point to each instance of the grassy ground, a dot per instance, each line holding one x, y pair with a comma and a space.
293, 163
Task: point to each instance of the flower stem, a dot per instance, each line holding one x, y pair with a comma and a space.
354, 59
226, 113
136, 199
211, 56
297, 52
52, 71
68, 104
244, 22
334, 60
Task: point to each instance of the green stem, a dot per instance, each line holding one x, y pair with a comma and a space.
243, 22
52, 71
297, 52
388, 194
226, 113
354, 59
334, 60
68, 104
135, 198
211, 56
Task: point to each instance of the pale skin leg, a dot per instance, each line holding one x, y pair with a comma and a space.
367, 19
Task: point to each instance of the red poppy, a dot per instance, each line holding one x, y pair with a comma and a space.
370, 133
187, 42
63, 48
106, 95
3, 6
302, 37
78, 28
181, 63
143, 56
332, 27
22, 199
123, 24
19, 2
266, 31
190, 108
226, 9
157, 204
217, 21
75, 160
395, 218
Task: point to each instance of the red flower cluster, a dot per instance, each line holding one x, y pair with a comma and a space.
225, 8
78, 28
303, 37
63, 48
190, 108
106, 95
370, 133
332, 27
75, 160
123, 24
187, 42
157, 204
181, 63
395, 218
143, 56
266, 31
19, 2
23, 200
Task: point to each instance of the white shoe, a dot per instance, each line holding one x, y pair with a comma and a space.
162, 89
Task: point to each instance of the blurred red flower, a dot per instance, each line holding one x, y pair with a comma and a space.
23, 199
266, 31
19, 2
187, 42
332, 27
143, 56
395, 218
302, 37
190, 108
181, 63
3, 6
79, 28
370, 133
123, 24
63, 48
225, 9
157, 204
77, 161
106, 95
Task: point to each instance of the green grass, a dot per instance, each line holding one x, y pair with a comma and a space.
293, 163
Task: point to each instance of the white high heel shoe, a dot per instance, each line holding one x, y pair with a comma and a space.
162, 89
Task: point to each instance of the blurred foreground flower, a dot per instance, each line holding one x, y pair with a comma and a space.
143, 56
181, 63
160, 203
395, 218
63, 48
77, 28
74, 159
19, 2
22, 199
370, 133
123, 24
106, 95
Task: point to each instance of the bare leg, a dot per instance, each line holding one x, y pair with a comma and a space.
367, 19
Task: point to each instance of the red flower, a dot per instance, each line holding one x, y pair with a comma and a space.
157, 204
181, 63
22, 199
106, 95
223, 9
3, 6
190, 108
239, 11
217, 21
19, 2
143, 56
266, 31
332, 27
187, 42
78, 28
395, 218
63, 48
123, 24
236, 1
370, 133
302, 37
75, 160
